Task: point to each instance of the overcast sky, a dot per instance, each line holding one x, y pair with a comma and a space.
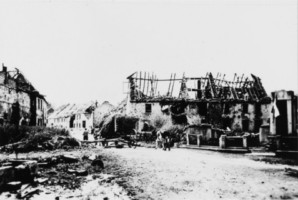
84, 50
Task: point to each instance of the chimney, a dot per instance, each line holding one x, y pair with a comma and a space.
4, 69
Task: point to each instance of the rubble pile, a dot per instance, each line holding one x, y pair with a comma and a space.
43, 140
24, 176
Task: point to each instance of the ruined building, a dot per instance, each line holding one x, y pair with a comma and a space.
240, 105
20, 102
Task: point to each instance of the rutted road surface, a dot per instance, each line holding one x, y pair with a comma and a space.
194, 174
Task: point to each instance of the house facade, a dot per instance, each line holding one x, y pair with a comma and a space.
20, 102
72, 117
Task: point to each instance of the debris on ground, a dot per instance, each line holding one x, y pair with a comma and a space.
291, 172
62, 174
41, 140
67, 171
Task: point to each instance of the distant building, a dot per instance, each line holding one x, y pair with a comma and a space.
20, 102
72, 116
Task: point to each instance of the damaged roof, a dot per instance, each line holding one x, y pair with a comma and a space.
17, 80
144, 88
68, 110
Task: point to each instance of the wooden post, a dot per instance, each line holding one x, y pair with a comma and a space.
168, 93
198, 140
144, 83
140, 85
152, 85
156, 84
289, 116
173, 84
244, 139
187, 138
148, 81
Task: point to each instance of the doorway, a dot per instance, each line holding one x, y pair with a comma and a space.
281, 120
72, 118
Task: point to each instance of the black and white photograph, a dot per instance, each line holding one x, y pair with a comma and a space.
148, 99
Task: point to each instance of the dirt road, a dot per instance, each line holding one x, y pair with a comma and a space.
194, 174
147, 173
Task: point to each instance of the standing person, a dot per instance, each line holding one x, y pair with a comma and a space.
166, 141
96, 136
159, 139
85, 134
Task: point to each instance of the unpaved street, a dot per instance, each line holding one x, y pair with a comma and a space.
194, 174
148, 173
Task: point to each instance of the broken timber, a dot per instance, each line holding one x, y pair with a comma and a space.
206, 88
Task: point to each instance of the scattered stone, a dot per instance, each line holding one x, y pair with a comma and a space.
6, 164
60, 138
43, 164
292, 172
6, 175
24, 186
85, 157
82, 172
92, 157
52, 172
27, 193
96, 176
27, 171
70, 159
97, 164
107, 178
41, 180
71, 171
13, 186
119, 146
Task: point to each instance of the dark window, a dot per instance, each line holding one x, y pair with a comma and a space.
258, 110
202, 108
245, 125
192, 106
148, 108
84, 124
245, 108
227, 109
227, 122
